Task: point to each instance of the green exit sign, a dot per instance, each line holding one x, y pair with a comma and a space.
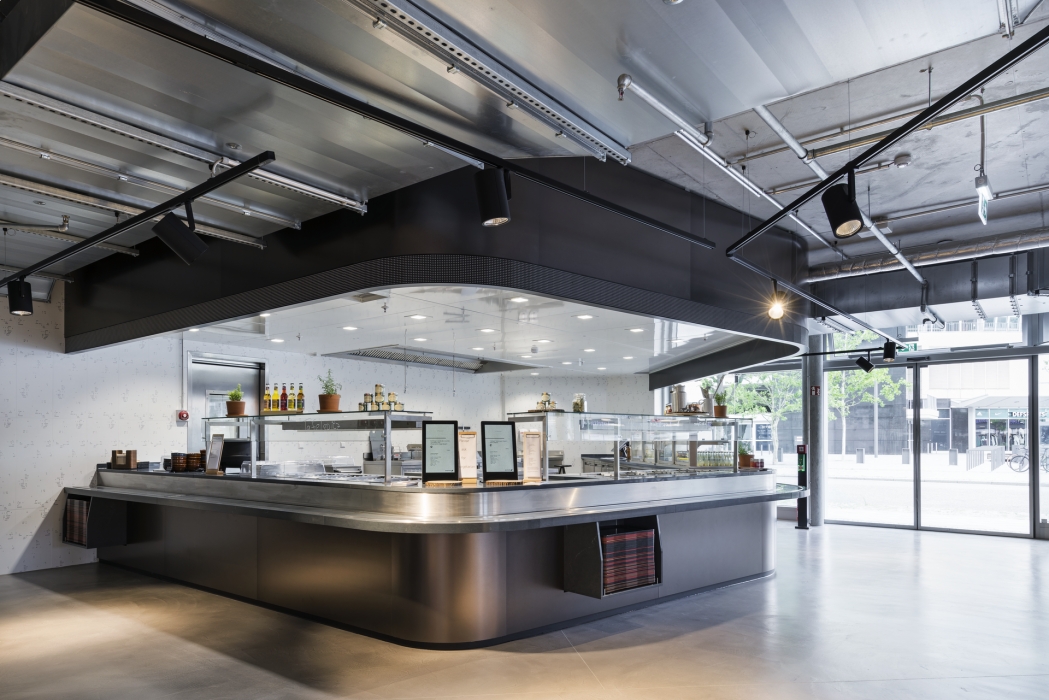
907, 347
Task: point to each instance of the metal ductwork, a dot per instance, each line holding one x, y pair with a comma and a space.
1002, 244
401, 355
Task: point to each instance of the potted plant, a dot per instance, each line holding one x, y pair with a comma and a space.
720, 407
235, 402
329, 400
744, 455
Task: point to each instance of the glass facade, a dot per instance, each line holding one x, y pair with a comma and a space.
975, 461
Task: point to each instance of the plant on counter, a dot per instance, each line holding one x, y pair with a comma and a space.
235, 402
329, 399
743, 450
720, 401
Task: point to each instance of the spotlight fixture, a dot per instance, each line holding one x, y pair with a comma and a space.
276, 340
419, 340
477, 348
417, 317
535, 374
519, 300
566, 363
487, 330
544, 340
589, 350
180, 238
888, 353
602, 368
584, 317
194, 330
493, 196
637, 330
628, 357
20, 298
776, 307
349, 328
526, 357
839, 201
865, 364
264, 315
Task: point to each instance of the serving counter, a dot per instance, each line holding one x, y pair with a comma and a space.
442, 567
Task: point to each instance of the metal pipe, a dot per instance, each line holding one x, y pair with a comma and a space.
1010, 59
181, 200
815, 167
1023, 191
809, 183
962, 115
60, 235
97, 203
1001, 244
169, 30
41, 275
61, 228
701, 144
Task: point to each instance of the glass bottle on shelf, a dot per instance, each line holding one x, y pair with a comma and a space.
266, 398
284, 397
300, 399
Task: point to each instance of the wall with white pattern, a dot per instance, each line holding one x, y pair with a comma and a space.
65, 413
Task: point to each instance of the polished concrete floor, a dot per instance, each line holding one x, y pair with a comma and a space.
853, 613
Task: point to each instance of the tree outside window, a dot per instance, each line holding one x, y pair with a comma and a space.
849, 388
772, 395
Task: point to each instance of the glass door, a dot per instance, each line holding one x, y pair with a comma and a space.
975, 462
869, 460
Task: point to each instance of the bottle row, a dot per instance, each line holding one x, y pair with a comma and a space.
282, 399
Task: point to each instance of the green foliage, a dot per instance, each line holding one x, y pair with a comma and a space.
236, 394
743, 448
328, 385
850, 388
772, 395
720, 398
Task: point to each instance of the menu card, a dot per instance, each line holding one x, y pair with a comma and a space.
439, 451
468, 454
533, 456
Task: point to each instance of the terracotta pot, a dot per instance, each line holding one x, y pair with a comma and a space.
234, 408
721, 411
744, 461
329, 402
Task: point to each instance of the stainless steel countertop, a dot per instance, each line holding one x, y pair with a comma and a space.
456, 510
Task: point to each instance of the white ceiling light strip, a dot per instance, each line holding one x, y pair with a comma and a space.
458, 53
99, 121
701, 144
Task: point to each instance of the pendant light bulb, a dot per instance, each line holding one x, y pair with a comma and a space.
20, 298
776, 307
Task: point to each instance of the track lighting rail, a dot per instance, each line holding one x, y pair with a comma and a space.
184, 199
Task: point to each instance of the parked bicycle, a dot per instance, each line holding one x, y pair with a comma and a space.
1021, 461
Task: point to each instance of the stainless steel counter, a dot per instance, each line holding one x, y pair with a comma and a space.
443, 568
408, 509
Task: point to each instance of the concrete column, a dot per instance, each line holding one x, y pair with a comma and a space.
815, 425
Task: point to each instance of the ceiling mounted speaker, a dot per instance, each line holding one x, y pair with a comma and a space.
493, 196
180, 238
839, 201
20, 298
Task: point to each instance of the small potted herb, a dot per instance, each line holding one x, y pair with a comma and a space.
720, 407
744, 455
329, 399
235, 402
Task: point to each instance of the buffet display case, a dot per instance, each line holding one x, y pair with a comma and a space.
640, 444
347, 446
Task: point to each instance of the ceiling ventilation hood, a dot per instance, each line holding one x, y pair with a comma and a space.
398, 354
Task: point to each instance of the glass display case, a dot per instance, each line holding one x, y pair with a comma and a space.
634, 444
379, 446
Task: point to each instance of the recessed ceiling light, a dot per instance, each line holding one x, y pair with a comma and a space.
566, 363
637, 330
264, 315
477, 348
584, 317
419, 340
349, 328
601, 368
276, 340
417, 317
589, 350
519, 300
544, 341
535, 374
487, 330
193, 330
629, 357
527, 357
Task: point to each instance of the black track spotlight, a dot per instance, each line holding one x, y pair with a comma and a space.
493, 196
180, 238
865, 364
839, 201
888, 353
20, 298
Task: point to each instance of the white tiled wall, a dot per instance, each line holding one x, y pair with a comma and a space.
61, 414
